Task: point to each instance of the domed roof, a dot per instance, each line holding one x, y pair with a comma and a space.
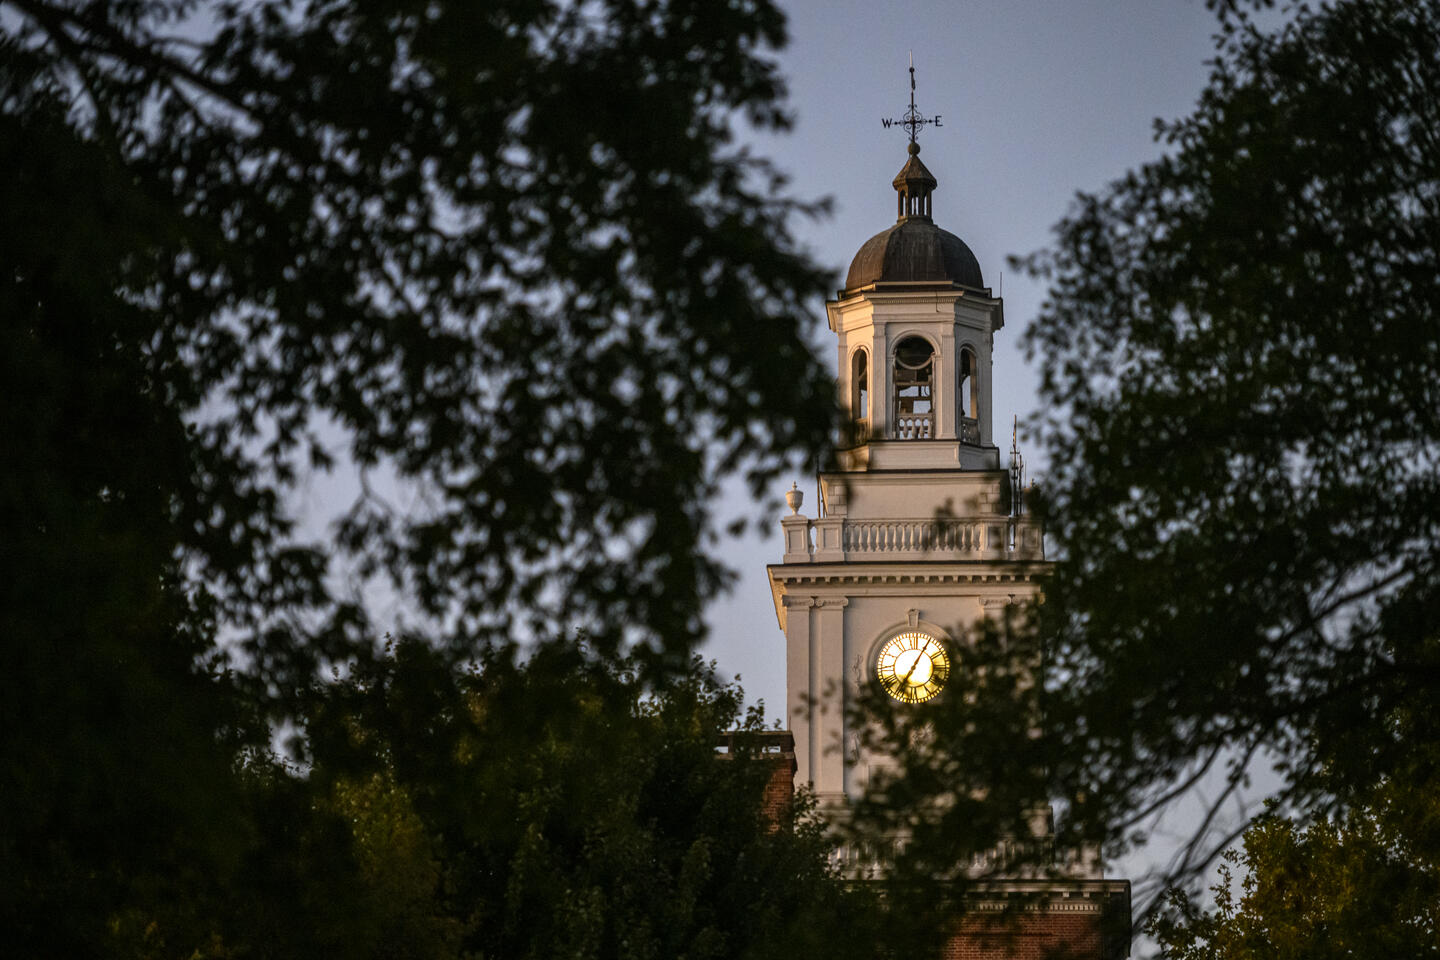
914, 250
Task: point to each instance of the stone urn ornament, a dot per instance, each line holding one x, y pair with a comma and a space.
794, 498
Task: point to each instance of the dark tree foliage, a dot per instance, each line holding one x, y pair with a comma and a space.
1241, 382
1241, 388
1357, 886
507, 252
560, 810
504, 257
551, 807
968, 788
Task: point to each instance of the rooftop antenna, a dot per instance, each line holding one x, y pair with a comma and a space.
1017, 470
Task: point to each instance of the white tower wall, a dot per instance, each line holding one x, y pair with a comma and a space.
913, 533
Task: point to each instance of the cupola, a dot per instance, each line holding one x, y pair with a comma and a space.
915, 326
914, 250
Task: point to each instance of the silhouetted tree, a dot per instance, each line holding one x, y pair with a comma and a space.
1364, 885
1240, 361
503, 256
554, 806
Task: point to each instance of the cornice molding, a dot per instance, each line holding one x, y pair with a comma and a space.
792, 578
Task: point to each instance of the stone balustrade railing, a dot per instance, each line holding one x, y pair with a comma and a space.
880, 536
920, 426
915, 426
831, 539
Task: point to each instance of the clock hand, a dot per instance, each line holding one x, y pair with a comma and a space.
916, 665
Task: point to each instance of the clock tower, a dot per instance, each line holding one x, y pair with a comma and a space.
918, 535
918, 538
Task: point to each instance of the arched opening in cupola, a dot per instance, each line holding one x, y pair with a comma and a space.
860, 394
914, 381
968, 392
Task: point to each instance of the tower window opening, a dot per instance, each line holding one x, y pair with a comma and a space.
860, 395
914, 389
969, 395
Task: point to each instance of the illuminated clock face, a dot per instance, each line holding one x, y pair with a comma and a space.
913, 666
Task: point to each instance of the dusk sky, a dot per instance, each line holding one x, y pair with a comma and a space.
1039, 99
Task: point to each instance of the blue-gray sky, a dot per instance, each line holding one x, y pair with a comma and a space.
1039, 99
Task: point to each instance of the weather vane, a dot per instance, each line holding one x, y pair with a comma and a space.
913, 121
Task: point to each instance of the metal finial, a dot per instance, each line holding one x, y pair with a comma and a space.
913, 121
1017, 470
